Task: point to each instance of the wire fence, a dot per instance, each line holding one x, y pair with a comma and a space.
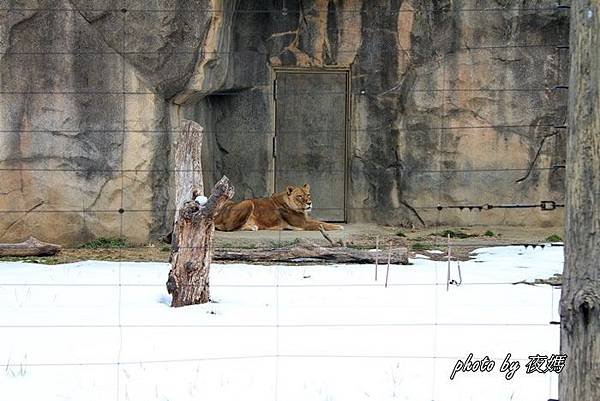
558, 127
383, 9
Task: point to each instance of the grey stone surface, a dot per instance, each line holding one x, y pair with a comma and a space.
89, 87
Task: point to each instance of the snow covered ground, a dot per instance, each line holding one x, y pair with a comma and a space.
278, 332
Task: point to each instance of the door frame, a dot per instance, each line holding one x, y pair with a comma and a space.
315, 70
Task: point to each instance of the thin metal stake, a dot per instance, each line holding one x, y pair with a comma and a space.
387, 272
376, 255
449, 255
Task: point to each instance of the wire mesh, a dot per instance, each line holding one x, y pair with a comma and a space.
124, 209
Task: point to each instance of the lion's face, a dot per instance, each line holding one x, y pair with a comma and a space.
298, 198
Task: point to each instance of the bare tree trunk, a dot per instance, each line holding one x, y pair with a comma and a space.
188, 168
30, 247
580, 301
188, 280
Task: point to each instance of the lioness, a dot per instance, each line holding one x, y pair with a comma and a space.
282, 211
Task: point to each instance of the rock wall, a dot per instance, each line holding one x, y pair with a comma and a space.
86, 116
450, 105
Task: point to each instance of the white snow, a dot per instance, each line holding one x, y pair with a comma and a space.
278, 332
435, 251
201, 200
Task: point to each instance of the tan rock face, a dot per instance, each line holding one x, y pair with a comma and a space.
447, 107
84, 117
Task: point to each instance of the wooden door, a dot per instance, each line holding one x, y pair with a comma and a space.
311, 111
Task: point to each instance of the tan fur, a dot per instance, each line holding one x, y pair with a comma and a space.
287, 210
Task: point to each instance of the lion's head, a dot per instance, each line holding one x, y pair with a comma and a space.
298, 198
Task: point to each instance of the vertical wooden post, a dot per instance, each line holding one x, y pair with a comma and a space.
188, 280
387, 271
449, 257
188, 168
376, 256
580, 300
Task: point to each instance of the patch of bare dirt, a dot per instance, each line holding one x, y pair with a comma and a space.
432, 242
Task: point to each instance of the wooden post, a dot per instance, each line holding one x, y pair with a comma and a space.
580, 299
387, 271
449, 256
188, 280
376, 256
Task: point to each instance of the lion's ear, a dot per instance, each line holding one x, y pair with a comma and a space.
307, 187
290, 189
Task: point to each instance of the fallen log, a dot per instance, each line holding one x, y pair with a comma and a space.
309, 253
30, 247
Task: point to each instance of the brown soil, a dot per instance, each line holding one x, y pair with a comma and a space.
358, 236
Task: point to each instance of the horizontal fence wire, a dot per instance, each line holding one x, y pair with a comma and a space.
470, 208
165, 170
384, 10
496, 243
242, 357
289, 94
454, 50
267, 326
240, 285
467, 128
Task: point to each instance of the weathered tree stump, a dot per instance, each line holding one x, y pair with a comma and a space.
188, 162
188, 172
188, 280
29, 247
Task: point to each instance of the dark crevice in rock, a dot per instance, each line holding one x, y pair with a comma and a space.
220, 145
537, 155
507, 60
412, 209
91, 22
332, 34
16, 26
99, 192
21, 218
8, 192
